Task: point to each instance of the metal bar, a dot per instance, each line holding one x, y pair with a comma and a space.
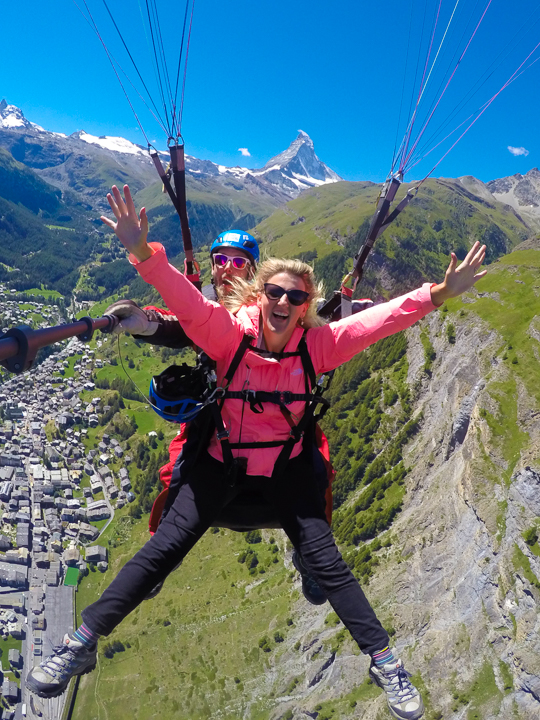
25, 342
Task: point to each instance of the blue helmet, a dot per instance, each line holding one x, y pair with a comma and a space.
177, 393
237, 239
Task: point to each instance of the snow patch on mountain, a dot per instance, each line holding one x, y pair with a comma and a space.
238, 172
116, 144
13, 117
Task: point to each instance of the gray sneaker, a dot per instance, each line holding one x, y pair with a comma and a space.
404, 701
51, 677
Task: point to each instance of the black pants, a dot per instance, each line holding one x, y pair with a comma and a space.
299, 506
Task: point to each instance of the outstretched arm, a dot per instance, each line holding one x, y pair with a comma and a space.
149, 324
338, 342
208, 324
130, 229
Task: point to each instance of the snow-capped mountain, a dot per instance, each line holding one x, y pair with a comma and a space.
76, 162
12, 117
298, 167
116, 144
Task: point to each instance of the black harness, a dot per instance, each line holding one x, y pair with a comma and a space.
312, 397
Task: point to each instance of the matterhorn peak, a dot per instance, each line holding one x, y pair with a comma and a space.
297, 167
13, 117
303, 137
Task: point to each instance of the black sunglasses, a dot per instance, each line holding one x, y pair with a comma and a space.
295, 297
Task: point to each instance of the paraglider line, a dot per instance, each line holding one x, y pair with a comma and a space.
179, 119
404, 164
513, 77
132, 60
185, 67
472, 92
114, 69
160, 82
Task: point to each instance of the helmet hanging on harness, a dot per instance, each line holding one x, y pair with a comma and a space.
180, 392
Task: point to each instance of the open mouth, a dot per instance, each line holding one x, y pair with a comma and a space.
280, 316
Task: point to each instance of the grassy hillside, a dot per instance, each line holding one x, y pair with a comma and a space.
328, 225
212, 208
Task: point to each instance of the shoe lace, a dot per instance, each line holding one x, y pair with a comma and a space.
59, 661
401, 684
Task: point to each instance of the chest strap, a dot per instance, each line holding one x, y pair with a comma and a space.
312, 398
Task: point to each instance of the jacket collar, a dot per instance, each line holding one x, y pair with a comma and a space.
250, 317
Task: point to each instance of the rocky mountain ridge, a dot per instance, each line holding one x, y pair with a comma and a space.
87, 164
522, 192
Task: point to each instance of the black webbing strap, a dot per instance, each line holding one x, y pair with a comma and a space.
297, 431
222, 433
235, 362
178, 166
255, 445
178, 199
256, 398
393, 215
165, 180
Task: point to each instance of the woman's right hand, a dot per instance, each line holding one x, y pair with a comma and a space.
131, 230
460, 278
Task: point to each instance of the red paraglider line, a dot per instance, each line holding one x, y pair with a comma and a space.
421, 88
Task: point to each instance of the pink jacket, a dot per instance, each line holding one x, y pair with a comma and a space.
219, 333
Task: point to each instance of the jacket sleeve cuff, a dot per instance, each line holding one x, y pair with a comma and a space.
146, 266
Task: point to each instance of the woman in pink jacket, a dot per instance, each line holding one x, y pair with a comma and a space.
274, 321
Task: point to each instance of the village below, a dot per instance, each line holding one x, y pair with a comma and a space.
58, 493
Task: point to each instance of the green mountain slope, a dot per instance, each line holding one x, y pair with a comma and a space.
330, 223
44, 238
212, 208
22, 186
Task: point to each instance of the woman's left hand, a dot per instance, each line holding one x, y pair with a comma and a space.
130, 230
460, 278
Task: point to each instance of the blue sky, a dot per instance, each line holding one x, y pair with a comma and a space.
260, 71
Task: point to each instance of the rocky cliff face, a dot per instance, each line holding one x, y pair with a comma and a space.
457, 595
459, 583
522, 192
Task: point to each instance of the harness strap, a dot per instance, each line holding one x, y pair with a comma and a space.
309, 370
264, 396
178, 198
272, 444
312, 397
235, 362
178, 166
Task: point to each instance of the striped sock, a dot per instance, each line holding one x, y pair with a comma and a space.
84, 635
382, 657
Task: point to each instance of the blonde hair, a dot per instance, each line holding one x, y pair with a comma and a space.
245, 293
